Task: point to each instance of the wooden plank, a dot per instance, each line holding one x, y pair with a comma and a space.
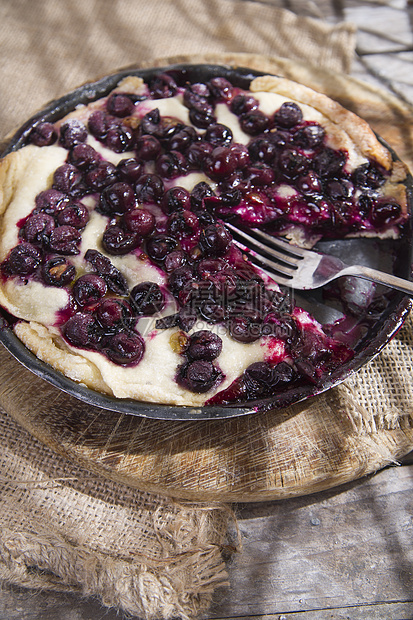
337, 549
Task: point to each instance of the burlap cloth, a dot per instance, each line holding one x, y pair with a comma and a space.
61, 526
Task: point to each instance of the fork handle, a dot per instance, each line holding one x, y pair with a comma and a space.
380, 277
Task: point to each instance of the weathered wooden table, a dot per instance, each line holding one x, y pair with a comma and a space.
340, 554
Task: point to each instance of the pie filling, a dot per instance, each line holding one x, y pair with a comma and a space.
116, 261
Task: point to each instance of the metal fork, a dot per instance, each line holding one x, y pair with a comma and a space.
303, 269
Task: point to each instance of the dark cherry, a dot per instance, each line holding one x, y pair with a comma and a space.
68, 179
118, 241
182, 223
163, 86
140, 221
200, 191
310, 136
198, 376
182, 139
149, 188
243, 103
38, 228
65, 240
130, 169
103, 266
292, 163
75, 214
44, 134
218, 135
215, 240
254, 122
117, 199
147, 298
113, 313
174, 199
159, 246
102, 175
367, 176
384, 212
180, 279
80, 330
51, 201
288, 115
119, 138
244, 330
173, 260
125, 348
198, 153
22, 260
120, 104
58, 271
147, 148
72, 132
329, 163
171, 165
263, 150
221, 163
221, 89
204, 345
88, 289
83, 156
309, 184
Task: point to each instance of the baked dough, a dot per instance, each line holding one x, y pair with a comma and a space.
40, 307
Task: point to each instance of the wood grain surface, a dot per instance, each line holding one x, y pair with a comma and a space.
309, 447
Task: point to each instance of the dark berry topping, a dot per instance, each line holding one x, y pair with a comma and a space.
102, 175
292, 163
218, 135
329, 163
198, 376
83, 156
262, 377
204, 345
215, 240
68, 179
38, 228
159, 246
340, 189
22, 260
116, 199
201, 191
309, 184
51, 200
182, 223
244, 329
99, 123
368, 176
65, 240
74, 214
288, 115
243, 103
147, 148
384, 212
80, 330
171, 165
147, 298
263, 150
119, 138
125, 348
73, 132
58, 271
163, 86
118, 241
114, 279
149, 188
140, 221
220, 89
129, 170
198, 153
44, 134
175, 199
310, 137
114, 313
254, 122
181, 140
120, 105
173, 260
88, 289
221, 163
179, 279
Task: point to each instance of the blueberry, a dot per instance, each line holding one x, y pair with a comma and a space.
116, 199
221, 89
89, 288
159, 246
140, 221
218, 135
102, 175
113, 313
22, 260
65, 240
80, 330
119, 138
171, 165
68, 179
72, 132
38, 228
147, 298
43, 134
288, 115
118, 241
204, 345
149, 188
125, 348
83, 156
58, 271
179, 279
254, 122
74, 214
368, 176
120, 104
114, 279
198, 376
51, 201
163, 86
310, 136
174, 199
129, 170
215, 240
243, 103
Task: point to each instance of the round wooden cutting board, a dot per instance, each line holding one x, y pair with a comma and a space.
308, 447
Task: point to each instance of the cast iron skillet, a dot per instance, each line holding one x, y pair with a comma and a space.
375, 334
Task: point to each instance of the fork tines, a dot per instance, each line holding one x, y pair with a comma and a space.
267, 252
